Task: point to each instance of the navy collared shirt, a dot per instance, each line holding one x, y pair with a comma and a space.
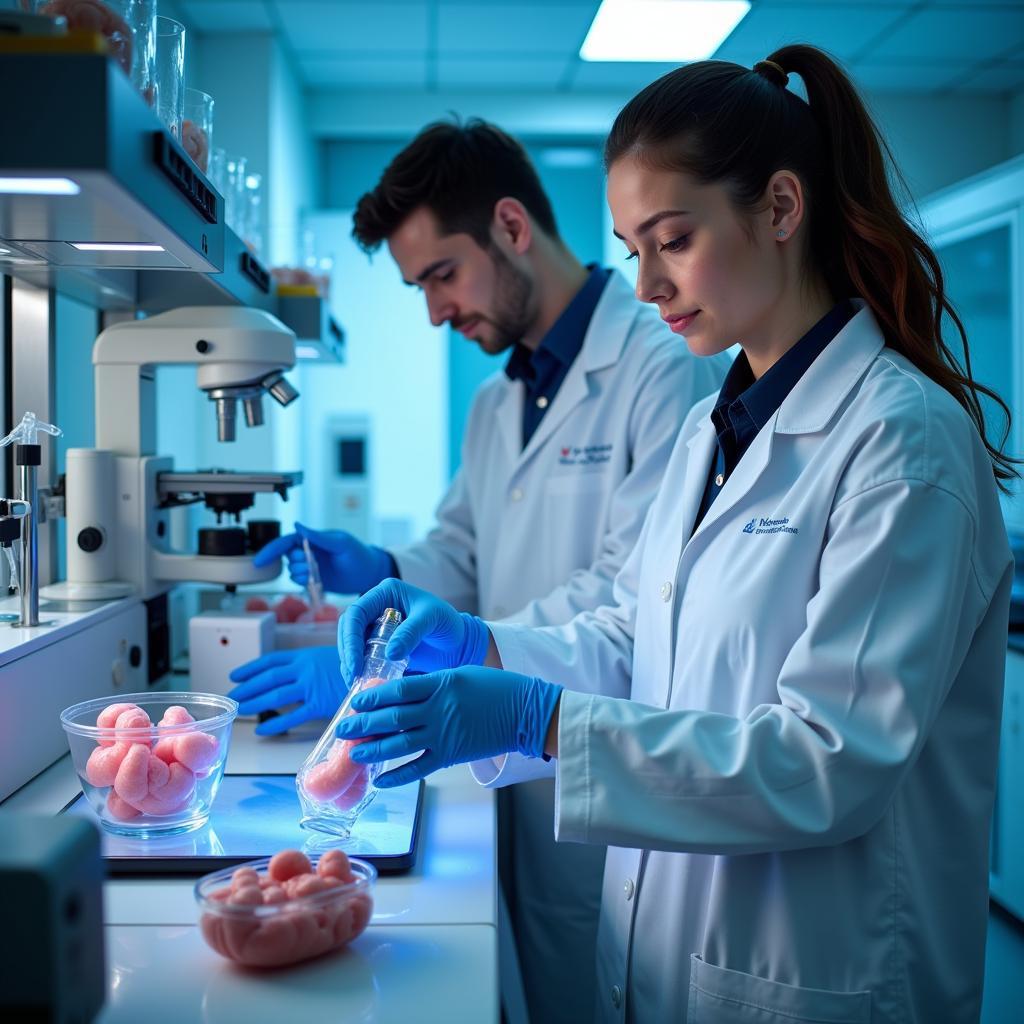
745, 405
543, 371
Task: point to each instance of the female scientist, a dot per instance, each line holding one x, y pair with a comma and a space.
786, 728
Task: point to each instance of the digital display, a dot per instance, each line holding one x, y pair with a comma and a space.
352, 456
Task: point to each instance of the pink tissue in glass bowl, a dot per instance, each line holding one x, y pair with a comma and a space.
150, 764
283, 909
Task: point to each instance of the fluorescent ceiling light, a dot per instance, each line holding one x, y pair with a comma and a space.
661, 30
39, 186
116, 247
569, 156
307, 352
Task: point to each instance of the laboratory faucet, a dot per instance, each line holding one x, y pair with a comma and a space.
28, 458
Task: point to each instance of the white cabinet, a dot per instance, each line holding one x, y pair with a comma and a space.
1007, 877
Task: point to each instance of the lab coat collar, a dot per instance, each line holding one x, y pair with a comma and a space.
614, 315
820, 392
613, 318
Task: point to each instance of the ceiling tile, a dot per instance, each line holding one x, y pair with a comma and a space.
841, 29
218, 16
362, 72
1000, 78
907, 76
619, 76
893, 5
529, 73
384, 28
972, 5
979, 31
521, 28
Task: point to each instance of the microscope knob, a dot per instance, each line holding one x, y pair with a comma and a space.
223, 541
90, 539
260, 532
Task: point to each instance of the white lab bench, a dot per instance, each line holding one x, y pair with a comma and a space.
430, 952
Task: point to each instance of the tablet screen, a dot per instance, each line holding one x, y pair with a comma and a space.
257, 815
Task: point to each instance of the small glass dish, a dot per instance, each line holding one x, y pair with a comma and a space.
178, 796
278, 934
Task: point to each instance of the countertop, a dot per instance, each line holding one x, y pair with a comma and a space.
430, 952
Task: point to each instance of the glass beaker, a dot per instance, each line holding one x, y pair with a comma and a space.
234, 193
217, 172
333, 789
197, 127
253, 213
129, 26
170, 74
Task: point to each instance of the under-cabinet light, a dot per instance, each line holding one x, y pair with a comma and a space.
39, 186
116, 247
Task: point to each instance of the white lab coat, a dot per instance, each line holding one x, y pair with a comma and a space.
797, 795
539, 535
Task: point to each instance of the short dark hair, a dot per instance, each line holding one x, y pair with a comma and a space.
458, 172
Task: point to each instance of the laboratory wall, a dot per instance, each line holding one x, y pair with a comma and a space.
75, 328
938, 142
393, 386
1017, 124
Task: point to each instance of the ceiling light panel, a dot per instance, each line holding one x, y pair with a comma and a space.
661, 30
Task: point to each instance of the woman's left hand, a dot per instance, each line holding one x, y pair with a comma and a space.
453, 716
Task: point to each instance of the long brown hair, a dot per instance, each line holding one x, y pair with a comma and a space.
721, 122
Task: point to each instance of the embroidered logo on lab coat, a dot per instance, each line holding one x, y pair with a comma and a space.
762, 525
585, 455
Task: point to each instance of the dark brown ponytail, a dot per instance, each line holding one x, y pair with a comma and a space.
724, 123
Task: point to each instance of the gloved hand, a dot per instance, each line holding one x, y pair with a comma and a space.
433, 634
347, 565
454, 716
310, 676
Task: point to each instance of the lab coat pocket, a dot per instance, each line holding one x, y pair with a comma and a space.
722, 996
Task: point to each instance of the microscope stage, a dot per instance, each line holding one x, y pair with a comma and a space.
223, 481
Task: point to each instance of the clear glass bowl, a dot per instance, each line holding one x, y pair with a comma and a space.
276, 934
190, 787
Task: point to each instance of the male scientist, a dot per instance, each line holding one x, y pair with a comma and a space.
562, 454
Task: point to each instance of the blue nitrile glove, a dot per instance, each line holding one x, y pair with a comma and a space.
310, 676
433, 634
454, 716
347, 565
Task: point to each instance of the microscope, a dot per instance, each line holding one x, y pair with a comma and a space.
120, 493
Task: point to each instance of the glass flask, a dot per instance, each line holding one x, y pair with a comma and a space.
333, 789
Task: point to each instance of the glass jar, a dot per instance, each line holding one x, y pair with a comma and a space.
333, 789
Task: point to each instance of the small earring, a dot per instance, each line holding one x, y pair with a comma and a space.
781, 234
